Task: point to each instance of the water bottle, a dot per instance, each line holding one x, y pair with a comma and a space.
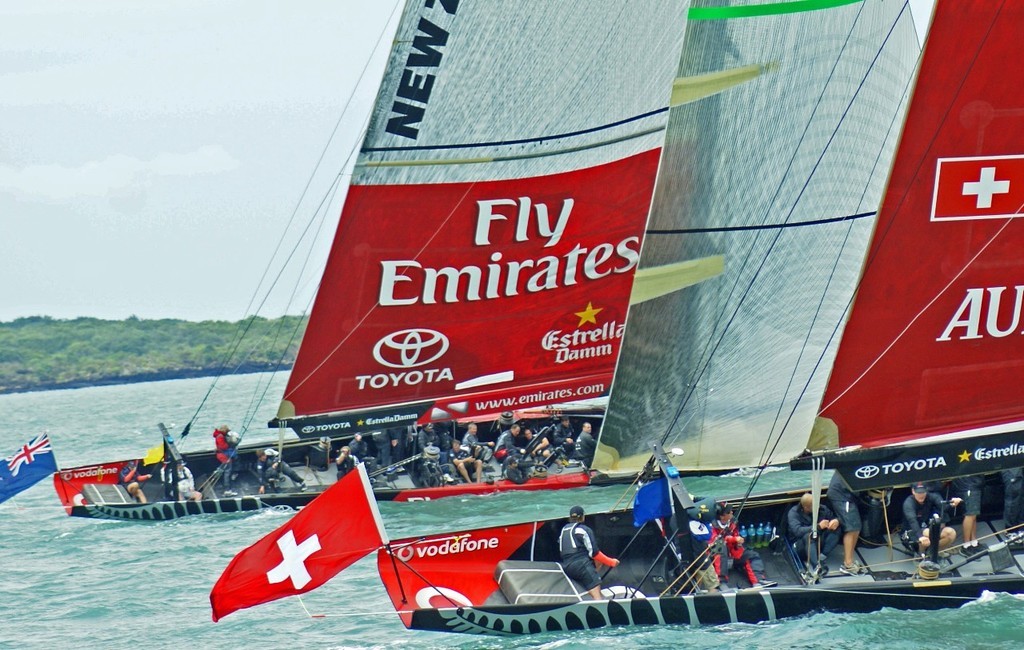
759, 536
743, 534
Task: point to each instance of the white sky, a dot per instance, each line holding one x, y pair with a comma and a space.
152, 153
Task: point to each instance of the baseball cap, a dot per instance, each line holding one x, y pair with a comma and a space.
576, 511
270, 451
920, 488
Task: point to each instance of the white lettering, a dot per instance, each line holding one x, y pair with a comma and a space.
484, 216
389, 276
455, 546
409, 282
407, 377
564, 354
914, 465
968, 315
991, 323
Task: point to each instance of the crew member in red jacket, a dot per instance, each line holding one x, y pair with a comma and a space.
226, 440
747, 560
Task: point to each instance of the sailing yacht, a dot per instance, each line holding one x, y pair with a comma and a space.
485, 255
918, 386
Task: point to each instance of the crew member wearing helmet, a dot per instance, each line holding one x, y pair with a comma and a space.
270, 467
578, 547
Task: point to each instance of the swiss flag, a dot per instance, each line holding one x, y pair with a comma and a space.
337, 528
978, 188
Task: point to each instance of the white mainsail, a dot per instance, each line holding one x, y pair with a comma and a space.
780, 175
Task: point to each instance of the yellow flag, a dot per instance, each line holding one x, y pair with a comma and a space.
154, 455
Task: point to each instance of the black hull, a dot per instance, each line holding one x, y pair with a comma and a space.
159, 510
743, 606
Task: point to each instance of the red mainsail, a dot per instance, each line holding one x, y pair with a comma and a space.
935, 341
476, 297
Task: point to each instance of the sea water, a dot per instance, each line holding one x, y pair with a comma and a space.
79, 583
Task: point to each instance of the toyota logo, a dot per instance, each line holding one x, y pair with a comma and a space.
410, 348
866, 472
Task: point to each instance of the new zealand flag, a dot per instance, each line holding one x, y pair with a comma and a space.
29, 465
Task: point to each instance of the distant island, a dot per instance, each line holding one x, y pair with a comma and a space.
42, 353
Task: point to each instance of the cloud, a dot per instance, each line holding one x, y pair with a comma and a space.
113, 175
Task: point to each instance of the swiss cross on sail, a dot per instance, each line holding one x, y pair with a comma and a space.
989, 187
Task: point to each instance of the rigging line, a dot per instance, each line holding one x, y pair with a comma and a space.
534, 140
766, 226
419, 575
917, 171
921, 312
846, 310
768, 455
369, 311
778, 190
291, 219
891, 221
261, 398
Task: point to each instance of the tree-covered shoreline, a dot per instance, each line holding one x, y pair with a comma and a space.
43, 353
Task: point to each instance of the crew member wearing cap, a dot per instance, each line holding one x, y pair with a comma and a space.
578, 547
187, 484
918, 510
270, 467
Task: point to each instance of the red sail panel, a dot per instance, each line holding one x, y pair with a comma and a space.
480, 297
934, 343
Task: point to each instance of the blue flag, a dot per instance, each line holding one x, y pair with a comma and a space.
652, 502
29, 465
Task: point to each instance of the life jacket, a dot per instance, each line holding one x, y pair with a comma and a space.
567, 541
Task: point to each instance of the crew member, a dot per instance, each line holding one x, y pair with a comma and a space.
578, 547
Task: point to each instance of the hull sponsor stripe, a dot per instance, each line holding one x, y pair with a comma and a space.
769, 604
730, 603
487, 380
694, 619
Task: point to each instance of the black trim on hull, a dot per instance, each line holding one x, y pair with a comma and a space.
167, 510
745, 606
